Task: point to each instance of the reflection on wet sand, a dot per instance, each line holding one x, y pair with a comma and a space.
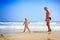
49, 36
30, 36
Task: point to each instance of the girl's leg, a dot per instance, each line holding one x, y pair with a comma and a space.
24, 29
28, 29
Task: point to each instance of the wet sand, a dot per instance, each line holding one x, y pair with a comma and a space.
30, 36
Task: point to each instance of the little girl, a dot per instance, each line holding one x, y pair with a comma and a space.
26, 24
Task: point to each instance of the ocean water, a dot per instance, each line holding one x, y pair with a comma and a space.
36, 27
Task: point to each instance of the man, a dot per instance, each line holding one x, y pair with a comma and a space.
48, 18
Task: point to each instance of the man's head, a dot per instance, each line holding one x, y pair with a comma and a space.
45, 8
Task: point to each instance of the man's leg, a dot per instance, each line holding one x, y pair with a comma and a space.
48, 25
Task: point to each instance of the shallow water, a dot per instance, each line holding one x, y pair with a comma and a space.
36, 27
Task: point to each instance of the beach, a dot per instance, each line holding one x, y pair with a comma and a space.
14, 31
30, 36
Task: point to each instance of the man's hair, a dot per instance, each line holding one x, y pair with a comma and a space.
45, 7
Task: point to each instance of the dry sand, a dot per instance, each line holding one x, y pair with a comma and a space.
30, 36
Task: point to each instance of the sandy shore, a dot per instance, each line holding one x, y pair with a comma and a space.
30, 36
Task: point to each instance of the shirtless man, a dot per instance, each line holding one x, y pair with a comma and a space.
48, 18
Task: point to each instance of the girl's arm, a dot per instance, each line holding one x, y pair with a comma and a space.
29, 22
23, 23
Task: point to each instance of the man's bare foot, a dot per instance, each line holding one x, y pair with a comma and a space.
49, 30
